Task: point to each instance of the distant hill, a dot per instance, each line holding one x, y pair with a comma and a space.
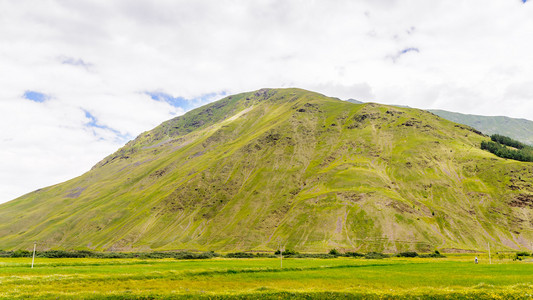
292, 167
519, 129
355, 101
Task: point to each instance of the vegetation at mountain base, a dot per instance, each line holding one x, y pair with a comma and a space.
454, 277
498, 146
333, 253
287, 166
94, 254
507, 141
518, 129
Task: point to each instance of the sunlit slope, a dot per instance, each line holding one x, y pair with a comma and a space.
287, 166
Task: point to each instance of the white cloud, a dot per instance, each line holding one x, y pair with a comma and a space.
103, 57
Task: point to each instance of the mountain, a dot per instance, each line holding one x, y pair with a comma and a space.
519, 129
287, 166
354, 101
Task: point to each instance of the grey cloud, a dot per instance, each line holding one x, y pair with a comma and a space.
520, 90
75, 62
359, 91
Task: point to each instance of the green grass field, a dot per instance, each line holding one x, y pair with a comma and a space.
345, 278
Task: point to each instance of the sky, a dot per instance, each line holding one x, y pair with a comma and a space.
78, 79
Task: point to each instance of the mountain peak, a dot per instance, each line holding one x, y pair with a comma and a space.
287, 165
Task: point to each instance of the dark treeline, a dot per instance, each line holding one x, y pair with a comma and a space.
504, 152
94, 254
507, 141
333, 253
498, 147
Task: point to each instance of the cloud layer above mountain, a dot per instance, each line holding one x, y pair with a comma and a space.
81, 78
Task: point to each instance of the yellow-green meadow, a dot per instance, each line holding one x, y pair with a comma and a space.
453, 277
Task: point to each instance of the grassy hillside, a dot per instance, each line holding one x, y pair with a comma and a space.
520, 129
287, 166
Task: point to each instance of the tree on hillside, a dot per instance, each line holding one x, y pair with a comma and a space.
505, 140
524, 153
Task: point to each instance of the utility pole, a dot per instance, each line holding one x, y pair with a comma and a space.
281, 259
490, 259
33, 259
281, 255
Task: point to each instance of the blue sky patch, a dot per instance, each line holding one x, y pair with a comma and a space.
174, 101
35, 96
184, 103
409, 50
75, 62
93, 123
402, 52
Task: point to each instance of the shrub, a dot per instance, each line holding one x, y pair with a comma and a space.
523, 154
189, 255
176, 255
289, 252
353, 254
6, 253
21, 253
313, 255
407, 254
504, 140
435, 254
375, 255
334, 252
65, 254
240, 255
286, 252
87, 253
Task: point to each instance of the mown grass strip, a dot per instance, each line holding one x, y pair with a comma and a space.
168, 275
518, 295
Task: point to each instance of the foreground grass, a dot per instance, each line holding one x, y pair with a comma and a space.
455, 277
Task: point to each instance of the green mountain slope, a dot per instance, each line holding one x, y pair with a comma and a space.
287, 166
519, 129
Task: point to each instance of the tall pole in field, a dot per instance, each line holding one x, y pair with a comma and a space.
490, 259
33, 258
281, 257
